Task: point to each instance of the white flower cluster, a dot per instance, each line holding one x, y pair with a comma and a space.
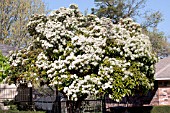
88, 55
42, 61
86, 85
16, 59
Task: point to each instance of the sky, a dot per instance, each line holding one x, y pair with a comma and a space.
153, 5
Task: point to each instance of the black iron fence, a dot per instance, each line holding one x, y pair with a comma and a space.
52, 101
26, 98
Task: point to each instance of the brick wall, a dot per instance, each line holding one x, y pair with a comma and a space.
162, 94
155, 99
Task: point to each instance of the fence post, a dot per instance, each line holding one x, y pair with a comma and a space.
57, 103
30, 98
104, 104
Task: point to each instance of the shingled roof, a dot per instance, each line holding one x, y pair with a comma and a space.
5, 49
163, 69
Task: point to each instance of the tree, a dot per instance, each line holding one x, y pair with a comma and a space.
14, 15
116, 9
4, 66
152, 19
158, 39
85, 55
159, 42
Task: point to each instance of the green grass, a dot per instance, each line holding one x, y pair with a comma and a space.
144, 109
161, 109
14, 111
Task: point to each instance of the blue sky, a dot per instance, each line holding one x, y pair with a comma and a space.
154, 5
164, 7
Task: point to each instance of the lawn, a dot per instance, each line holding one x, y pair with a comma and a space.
144, 109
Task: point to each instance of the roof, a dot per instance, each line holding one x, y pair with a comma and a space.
5, 49
163, 69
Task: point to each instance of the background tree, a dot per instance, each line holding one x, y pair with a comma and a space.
116, 9
158, 39
152, 19
14, 15
159, 43
85, 56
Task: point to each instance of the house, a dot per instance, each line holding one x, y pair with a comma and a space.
162, 78
5, 49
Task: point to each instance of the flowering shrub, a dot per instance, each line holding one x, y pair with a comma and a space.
85, 55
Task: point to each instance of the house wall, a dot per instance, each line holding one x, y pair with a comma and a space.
155, 99
162, 95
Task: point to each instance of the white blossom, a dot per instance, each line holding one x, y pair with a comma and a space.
88, 54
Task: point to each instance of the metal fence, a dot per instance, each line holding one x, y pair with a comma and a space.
52, 101
29, 99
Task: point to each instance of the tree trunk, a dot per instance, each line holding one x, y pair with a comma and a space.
75, 106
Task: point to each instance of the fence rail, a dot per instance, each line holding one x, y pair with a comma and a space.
27, 98
54, 102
